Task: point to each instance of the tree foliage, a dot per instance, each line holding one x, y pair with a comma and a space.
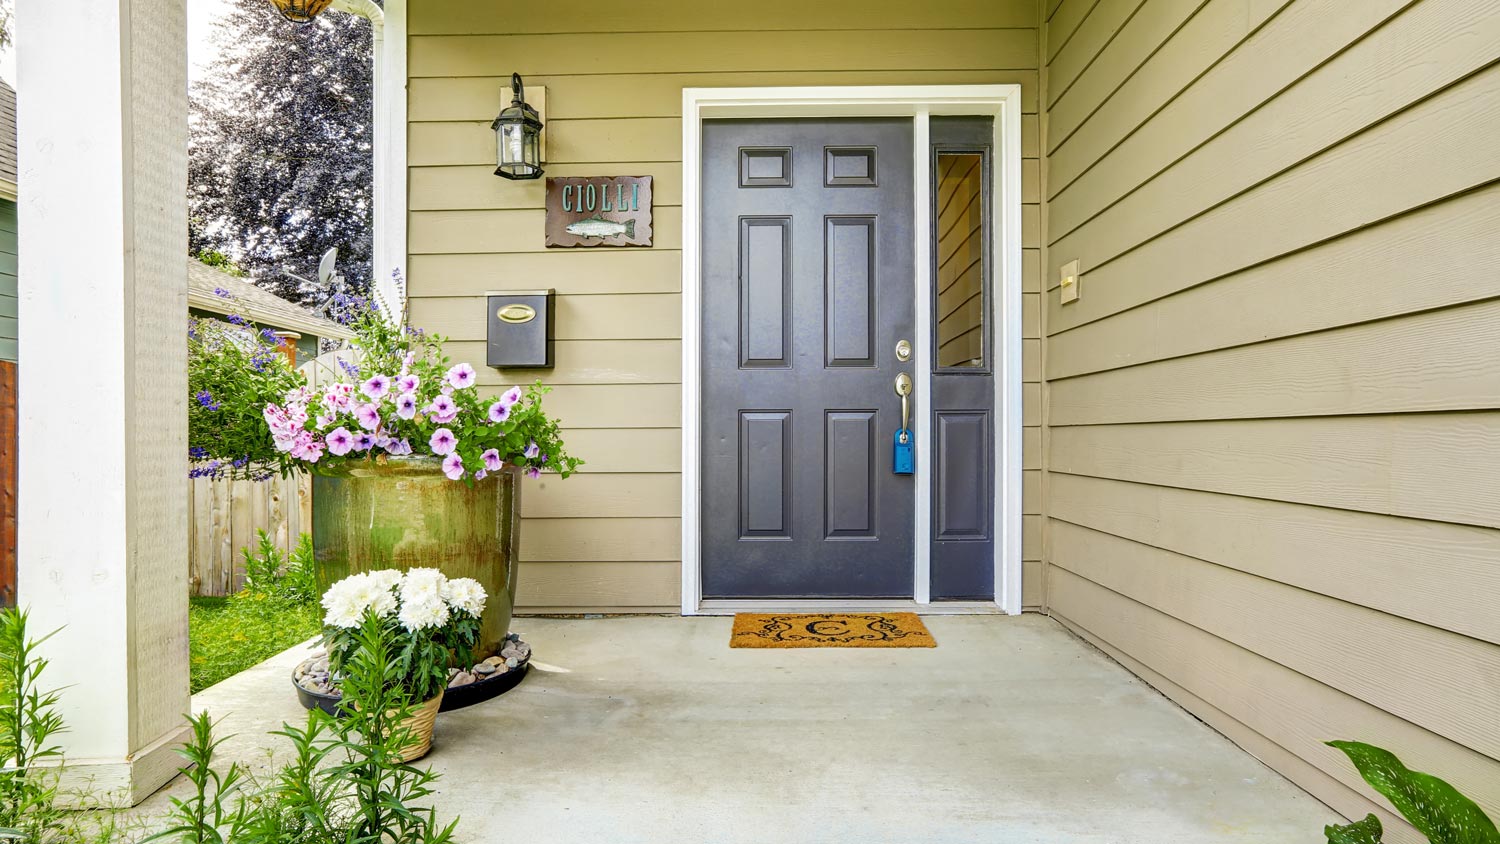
280, 154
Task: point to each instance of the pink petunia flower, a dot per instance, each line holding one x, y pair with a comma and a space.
340, 441
499, 412
492, 461
406, 405
461, 376
326, 419
453, 467
442, 441
533, 472
364, 442
511, 396
480, 474
398, 448
443, 410
532, 450
376, 387
368, 416
407, 384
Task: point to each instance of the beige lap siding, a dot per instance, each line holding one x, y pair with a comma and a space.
1271, 473
608, 539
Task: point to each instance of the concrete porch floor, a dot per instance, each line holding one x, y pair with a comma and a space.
653, 730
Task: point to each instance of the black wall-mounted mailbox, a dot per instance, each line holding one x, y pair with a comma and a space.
520, 329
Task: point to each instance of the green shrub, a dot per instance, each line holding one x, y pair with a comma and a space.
1437, 809
290, 578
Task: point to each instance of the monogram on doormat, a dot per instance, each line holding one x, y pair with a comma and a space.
830, 630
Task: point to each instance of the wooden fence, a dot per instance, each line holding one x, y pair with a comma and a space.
223, 517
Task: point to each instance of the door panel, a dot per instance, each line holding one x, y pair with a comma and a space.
963, 383
807, 287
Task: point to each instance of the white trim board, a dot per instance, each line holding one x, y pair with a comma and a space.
1003, 103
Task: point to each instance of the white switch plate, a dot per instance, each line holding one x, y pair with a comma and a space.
1068, 291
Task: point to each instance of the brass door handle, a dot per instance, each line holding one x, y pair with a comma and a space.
903, 389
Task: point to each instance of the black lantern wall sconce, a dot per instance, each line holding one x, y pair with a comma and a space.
518, 131
300, 11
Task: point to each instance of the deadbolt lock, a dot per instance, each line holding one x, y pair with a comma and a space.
903, 350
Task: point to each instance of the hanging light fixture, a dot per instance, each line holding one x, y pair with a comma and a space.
517, 133
300, 11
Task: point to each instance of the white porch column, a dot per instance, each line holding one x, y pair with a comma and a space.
103, 427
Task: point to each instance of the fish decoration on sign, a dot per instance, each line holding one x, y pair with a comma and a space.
598, 211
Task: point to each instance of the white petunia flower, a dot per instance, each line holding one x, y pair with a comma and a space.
466, 594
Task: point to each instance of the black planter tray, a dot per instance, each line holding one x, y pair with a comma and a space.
454, 698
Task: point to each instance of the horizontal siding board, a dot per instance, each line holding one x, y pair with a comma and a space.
7, 300
601, 540
1418, 673
1380, 76
476, 187
572, 586
630, 316
1031, 585
586, 362
1442, 575
1440, 360
1084, 45
670, 52
1429, 466
1090, 175
1216, 29
568, 271
1141, 36
511, 231
460, 17
620, 496
624, 450
1434, 150
1442, 255
582, 141
1262, 705
1062, 25
616, 405
660, 95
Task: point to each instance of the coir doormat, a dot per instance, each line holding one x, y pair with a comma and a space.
830, 630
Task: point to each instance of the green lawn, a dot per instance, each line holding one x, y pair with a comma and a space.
228, 635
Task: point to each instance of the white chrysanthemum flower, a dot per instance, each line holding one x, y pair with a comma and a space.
420, 615
422, 585
343, 609
466, 594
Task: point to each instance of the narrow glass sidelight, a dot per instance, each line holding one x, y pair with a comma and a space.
961, 257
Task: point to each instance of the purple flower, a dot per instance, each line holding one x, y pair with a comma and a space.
453, 467
532, 450
363, 441
400, 448
492, 460
197, 452
533, 472
270, 336
376, 387
511, 396
443, 410
499, 412
340, 441
349, 369
442, 442
480, 474
406, 405
222, 293
407, 384
237, 319
206, 399
461, 376
368, 416
324, 420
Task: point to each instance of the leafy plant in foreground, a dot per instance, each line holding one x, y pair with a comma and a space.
1437, 809
28, 721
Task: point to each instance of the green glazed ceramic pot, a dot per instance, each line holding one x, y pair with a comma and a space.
402, 513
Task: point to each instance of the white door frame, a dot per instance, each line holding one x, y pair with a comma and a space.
1003, 103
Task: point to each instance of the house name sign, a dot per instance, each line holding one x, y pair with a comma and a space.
598, 211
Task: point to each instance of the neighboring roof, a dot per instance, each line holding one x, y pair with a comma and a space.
7, 140
257, 305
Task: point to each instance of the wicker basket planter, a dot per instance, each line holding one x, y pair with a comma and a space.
420, 723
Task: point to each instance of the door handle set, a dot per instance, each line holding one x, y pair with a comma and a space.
903, 457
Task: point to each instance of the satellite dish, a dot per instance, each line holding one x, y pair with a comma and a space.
326, 265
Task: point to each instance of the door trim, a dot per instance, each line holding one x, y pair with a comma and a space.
1003, 103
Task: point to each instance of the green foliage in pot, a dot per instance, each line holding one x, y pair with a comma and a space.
1437, 809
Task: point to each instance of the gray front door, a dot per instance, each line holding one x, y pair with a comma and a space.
807, 287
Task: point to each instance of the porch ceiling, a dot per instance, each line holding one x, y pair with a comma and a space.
653, 730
